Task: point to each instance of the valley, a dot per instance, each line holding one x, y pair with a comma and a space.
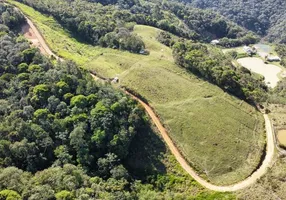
149, 77
133, 103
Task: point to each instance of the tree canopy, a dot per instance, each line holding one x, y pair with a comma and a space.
110, 23
265, 17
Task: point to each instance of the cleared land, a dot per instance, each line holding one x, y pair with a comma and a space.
218, 134
269, 71
264, 50
282, 137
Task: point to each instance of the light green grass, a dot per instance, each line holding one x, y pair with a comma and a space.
221, 136
237, 49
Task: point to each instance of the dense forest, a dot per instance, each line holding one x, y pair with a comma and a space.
265, 17
110, 23
64, 136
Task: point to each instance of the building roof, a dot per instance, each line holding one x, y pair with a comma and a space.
274, 58
215, 42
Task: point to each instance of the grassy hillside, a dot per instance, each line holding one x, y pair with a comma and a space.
221, 136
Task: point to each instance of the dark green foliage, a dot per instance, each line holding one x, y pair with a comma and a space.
214, 66
10, 17
60, 115
278, 95
109, 24
69, 136
124, 40
165, 38
281, 50
265, 17
245, 40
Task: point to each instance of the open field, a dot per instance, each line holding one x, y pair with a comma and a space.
269, 71
237, 49
221, 136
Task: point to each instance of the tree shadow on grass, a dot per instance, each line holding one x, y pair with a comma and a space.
146, 154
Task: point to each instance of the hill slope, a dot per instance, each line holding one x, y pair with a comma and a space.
96, 23
208, 124
57, 125
265, 17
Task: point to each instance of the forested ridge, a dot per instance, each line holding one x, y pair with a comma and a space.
265, 17
110, 23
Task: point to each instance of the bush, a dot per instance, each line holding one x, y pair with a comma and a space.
9, 195
79, 101
64, 195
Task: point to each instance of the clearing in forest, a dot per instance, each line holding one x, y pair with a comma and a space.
221, 136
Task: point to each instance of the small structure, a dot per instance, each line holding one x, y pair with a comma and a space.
250, 51
115, 80
144, 52
215, 42
273, 59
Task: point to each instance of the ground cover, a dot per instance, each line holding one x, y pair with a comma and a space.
269, 71
221, 136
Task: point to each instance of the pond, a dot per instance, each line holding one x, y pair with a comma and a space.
269, 71
282, 137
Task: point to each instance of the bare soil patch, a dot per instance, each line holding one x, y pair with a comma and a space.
28, 33
282, 137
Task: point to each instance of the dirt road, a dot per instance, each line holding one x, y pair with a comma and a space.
32, 34
241, 185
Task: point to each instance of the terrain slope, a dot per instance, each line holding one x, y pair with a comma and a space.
219, 135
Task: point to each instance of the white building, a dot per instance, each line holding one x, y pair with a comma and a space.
215, 42
273, 59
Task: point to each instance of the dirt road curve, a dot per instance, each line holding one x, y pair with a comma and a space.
247, 182
241, 185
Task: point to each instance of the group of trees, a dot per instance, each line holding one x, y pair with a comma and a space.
9, 17
57, 116
93, 23
101, 22
248, 39
122, 39
265, 17
281, 50
212, 65
65, 137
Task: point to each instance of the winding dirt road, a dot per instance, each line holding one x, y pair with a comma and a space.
35, 34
